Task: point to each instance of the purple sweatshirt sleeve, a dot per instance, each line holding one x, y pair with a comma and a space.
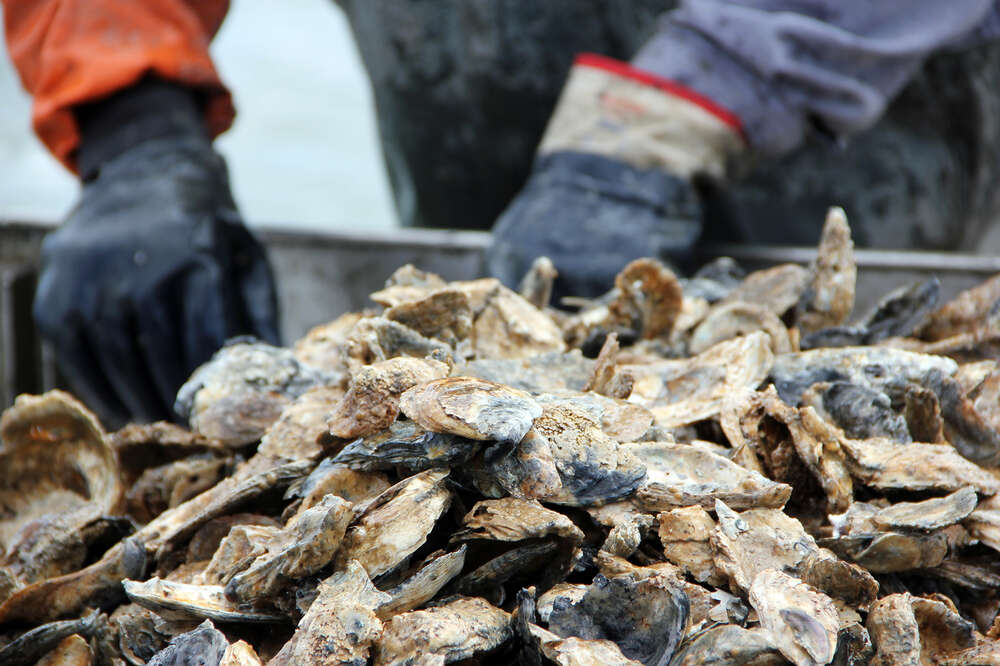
781, 64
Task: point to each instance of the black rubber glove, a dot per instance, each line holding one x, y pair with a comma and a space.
153, 270
592, 215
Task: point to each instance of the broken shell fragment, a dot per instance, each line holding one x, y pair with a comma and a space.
928, 515
302, 548
408, 445
472, 408
829, 298
423, 585
241, 391
749, 542
681, 475
646, 616
372, 401
683, 392
204, 644
340, 625
458, 629
801, 621
732, 320
396, 523
186, 601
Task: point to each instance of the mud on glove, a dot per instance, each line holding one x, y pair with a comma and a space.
612, 178
153, 269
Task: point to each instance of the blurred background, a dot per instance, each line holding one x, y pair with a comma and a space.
303, 151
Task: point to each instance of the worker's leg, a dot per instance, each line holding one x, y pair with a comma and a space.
69, 52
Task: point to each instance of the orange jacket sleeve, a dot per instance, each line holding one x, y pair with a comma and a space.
73, 51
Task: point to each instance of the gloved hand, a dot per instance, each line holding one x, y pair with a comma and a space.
612, 178
153, 270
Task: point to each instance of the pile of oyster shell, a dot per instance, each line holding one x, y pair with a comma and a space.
724, 469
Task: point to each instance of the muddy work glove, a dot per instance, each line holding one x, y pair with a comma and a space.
153, 270
612, 178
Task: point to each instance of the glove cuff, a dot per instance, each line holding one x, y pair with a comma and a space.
610, 108
151, 109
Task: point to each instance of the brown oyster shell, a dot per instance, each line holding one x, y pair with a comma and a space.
396, 523
801, 621
372, 401
56, 463
680, 475
829, 298
456, 630
340, 625
472, 408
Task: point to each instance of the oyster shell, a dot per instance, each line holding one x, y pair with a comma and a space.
873, 367
829, 298
731, 320
971, 310
538, 374
407, 283
567, 459
510, 327
237, 550
294, 436
726, 645
340, 625
685, 534
64, 595
779, 288
749, 542
801, 621
619, 419
681, 475
443, 314
536, 285
240, 653
646, 616
458, 629
71, 651
330, 478
575, 651
302, 548
167, 486
604, 369
407, 444
541, 561
203, 645
372, 401
376, 339
626, 536
33, 645
894, 631
55, 465
683, 392
395, 523
882, 464
928, 515
472, 408
241, 391
511, 519
860, 411
185, 601
253, 478
423, 585
649, 298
